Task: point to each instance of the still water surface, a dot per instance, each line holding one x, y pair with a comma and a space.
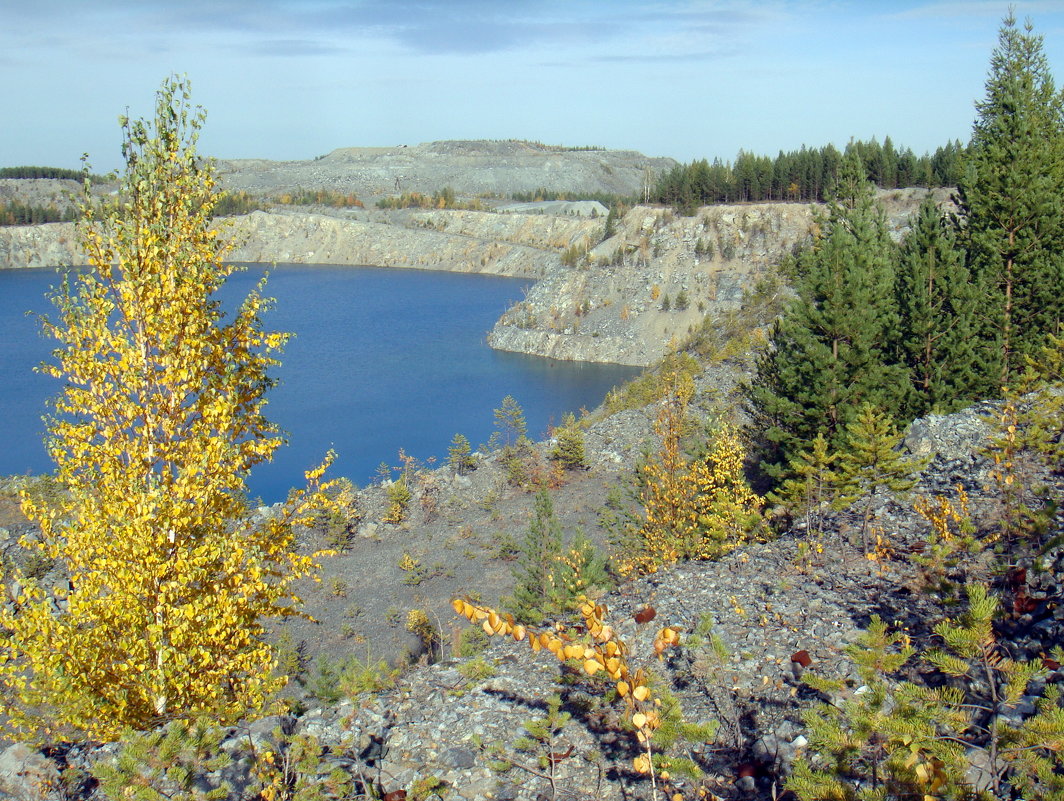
381, 360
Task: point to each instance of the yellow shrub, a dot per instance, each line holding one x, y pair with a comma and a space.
694, 508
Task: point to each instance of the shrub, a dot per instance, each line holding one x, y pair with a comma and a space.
568, 451
653, 385
693, 508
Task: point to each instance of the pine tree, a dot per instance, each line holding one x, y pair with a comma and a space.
870, 463
569, 449
159, 422
510, 425
535, 569
580, 570
832, 350
938, 307
460, 455
908, 740
610, 228
813, 487
1011, 199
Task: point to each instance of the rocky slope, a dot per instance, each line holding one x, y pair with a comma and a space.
766, 601
620, 302
478, 168
57, 193
629, 299
525, 245
633, 297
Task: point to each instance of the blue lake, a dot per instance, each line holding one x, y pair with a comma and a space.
381, 360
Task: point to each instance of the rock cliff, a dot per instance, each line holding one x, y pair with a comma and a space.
525, 245
628, 299
633, 297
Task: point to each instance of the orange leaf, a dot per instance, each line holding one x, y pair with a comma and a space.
645, 615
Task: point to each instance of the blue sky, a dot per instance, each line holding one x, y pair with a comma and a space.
292, 79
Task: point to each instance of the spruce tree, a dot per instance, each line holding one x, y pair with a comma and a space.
569, 447
937, 303
832, 350
534, 571
1011, 200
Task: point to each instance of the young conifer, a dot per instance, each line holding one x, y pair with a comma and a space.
813, 487
902, 739
460, 455
569, 448
536, 566
870, 463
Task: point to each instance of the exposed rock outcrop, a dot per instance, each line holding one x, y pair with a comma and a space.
48, 245
628, 299
429, 243
635, 296
524, 245
494, 168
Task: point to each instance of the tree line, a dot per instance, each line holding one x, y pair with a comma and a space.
805, 175
46, 172
16, 213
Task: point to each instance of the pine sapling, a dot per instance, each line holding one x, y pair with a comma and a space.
870, 464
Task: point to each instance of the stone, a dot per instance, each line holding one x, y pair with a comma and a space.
979, 774
458, 758
746, 784
26, 773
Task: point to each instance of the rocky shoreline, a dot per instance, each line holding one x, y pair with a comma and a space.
627, 298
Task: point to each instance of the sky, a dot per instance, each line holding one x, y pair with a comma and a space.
295, 79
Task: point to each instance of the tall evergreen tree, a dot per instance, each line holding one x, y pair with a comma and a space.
1011, 200
937, 303
831, 350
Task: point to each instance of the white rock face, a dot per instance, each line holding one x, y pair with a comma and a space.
629, 299
637, 295
469, 167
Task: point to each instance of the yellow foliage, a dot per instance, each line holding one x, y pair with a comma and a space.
948, 521
694, 508
159, 422
595, 646
418, 624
